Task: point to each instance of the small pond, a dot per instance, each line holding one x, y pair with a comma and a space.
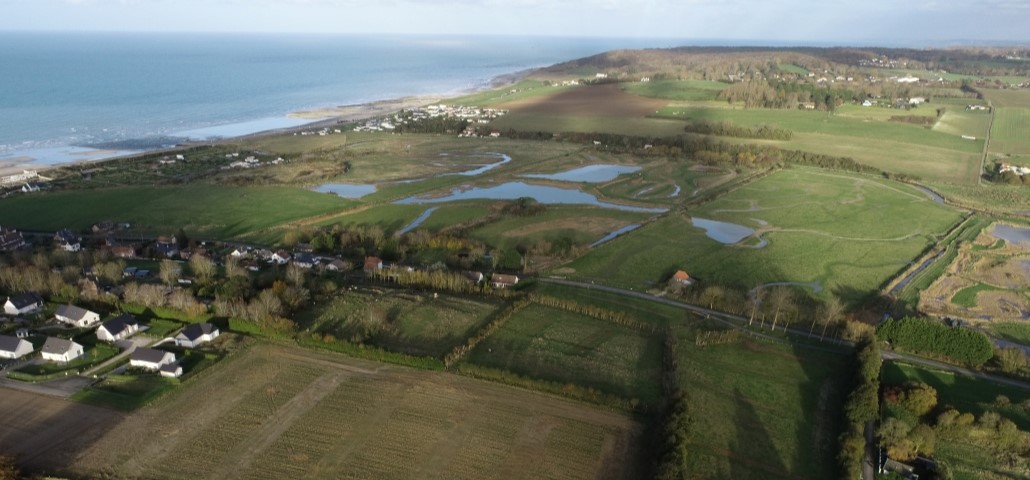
611, 235
514, 190
418, 221
587, 174
1013, 235
722, 232
346, 190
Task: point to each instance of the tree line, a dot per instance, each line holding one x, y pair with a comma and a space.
929, 337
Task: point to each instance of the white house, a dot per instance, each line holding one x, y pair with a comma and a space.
76, 316
171, 370
281, 257
118, 328
916, 101
150, 359
196, 334
13, 347
61, 350
22, 304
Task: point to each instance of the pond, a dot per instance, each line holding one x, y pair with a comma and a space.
611, 235
722, 232
418, 221
588, 174
346, 190
1019, 236
514, 190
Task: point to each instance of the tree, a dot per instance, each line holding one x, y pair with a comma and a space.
170, 271
1010, 359
831, 313
233, 268
754, 303
712, 295
203, 268
919, 399
295, 275
780, 299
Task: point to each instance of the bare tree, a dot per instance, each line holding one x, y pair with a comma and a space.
170, 271
780, 299
233, 268
295, 275
833, 312
203, 268
754, 302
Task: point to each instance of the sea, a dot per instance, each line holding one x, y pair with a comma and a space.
68, 97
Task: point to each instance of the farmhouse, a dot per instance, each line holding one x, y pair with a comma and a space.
61, 350
76, 316
118, 328
304, 260
24, 303
196, 334
281, 257
500, 280
682, 278
10, 239
373, 264
150, 359
67, 240
13, 347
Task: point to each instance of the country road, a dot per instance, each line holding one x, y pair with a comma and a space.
737, 321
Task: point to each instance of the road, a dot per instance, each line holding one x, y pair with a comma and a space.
737, 321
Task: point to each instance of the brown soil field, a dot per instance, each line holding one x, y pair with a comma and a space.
601, 100
45, 433
282, 412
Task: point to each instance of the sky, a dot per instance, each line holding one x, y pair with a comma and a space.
841, 22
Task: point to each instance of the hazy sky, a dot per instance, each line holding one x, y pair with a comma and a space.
914, 22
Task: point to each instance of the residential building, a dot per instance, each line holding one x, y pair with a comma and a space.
150, 358
22, 304
61, 350
118, 328
196, 334
14, 347
76, 316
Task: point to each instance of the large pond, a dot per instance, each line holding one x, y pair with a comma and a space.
587, 174
346, 190
722, 232
1014, 235
514, 190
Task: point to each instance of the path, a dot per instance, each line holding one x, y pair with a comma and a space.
987, 146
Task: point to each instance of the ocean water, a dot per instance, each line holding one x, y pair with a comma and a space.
63, 96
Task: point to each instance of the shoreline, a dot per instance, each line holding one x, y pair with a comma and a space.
319, 118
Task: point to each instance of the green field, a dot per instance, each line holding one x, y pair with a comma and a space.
1011, 131
404, 322
203, 210
761, 410
581, 225
592, 124
848, 233
791, 68
684, 90
518, 91
1013, 332
559, 346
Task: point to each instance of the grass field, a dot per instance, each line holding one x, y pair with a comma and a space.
559, 346
1019, 98
848, 233
761, 410
1011, 131
582, 225
521, 90
278, 412
791, 68
405, 322
205, 211
699, 90
1013, 332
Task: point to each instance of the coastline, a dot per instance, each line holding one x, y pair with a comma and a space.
319, 118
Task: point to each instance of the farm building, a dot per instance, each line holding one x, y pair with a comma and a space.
682, 278
281, 257
67, 240
500, 280
118, 328
151, 359
474, 277
196, 334
373, 264
76, 316
13, 347
61, 350
24, 303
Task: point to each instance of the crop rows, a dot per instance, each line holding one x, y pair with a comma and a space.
209, 449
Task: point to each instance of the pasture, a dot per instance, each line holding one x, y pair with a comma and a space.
1010, 134
761, 410
680, 90
559, 346
847, 233
410, 323
279, 412
204, 211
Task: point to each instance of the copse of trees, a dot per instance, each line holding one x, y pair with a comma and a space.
925, 336
862, 406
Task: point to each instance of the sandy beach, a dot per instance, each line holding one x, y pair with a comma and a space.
365, 110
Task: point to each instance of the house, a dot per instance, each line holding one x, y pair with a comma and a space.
338, 265
118, 328
171, 370
682, 278
474, 277
22, 333
167, 249
239, 252
61, 350
24, 303
150, 359
124, 251
67, 240
76, 316
867, 103
10, 239
13, 347
304, 260
916, 101
281, 257
373, 264
196, 334
30, 187
500, 280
